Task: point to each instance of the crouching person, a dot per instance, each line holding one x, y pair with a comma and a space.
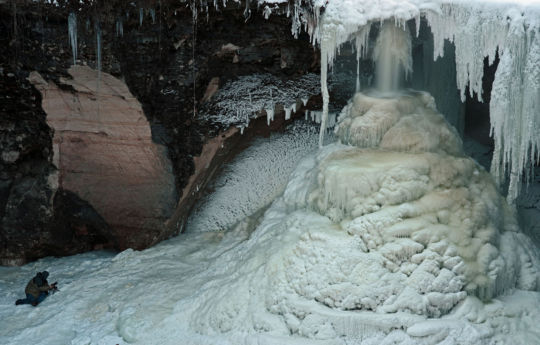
37, 289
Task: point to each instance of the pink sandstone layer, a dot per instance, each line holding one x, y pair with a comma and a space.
104, 152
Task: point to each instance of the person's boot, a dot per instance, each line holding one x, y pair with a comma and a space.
19, 301
34, 304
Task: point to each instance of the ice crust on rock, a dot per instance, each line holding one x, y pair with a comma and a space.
256, 182
239, 101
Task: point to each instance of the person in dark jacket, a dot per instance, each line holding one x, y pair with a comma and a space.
37, 289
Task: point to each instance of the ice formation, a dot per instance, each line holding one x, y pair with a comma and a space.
398, 225
72, 31
256, 182
237, 102
119, 28
397, 221
98, 50
478, 29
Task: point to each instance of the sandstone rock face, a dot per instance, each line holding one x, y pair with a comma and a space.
104, 152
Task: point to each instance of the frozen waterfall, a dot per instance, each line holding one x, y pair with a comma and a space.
72, 31
478, 29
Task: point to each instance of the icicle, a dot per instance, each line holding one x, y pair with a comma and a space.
304, 101
141, 15
267, 12
72, 31
269, 115
289, 110
247, 11
324, 90
515, 109
153, 15
287, 113
98, 47
119, 28
357, 74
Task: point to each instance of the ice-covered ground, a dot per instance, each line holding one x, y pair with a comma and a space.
254, 182
395, 238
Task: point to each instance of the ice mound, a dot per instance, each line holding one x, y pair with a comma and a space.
403, 122
428, 216
374, 236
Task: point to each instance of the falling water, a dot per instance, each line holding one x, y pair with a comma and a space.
392, 55
72, 30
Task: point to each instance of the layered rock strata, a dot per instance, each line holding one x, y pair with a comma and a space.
104, 152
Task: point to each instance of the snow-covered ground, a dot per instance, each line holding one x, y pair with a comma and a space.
383, 242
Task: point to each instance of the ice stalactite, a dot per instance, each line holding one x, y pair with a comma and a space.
119, 28
476, 34
141, 16
325, 95
153, 15
516, 90
331, 38
393, 56
72, 31
515, 105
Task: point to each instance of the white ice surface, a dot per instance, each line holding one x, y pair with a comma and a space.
254, 182
362, 247
239, 101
